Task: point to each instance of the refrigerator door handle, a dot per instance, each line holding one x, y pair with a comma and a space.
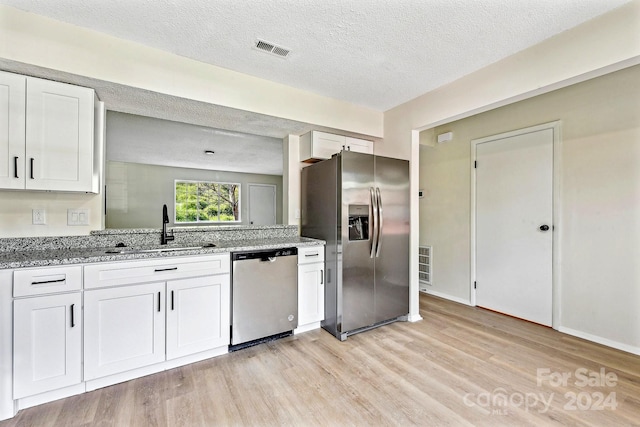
379, 221
373, 221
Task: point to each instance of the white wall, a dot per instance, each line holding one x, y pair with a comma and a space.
291, 180
16, 219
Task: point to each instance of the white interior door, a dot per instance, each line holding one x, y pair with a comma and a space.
262, 204
514, 212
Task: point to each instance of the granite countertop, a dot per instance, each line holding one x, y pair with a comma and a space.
64, 256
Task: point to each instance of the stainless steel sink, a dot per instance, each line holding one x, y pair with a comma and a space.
157, 250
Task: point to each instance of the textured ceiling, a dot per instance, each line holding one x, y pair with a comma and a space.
375, 53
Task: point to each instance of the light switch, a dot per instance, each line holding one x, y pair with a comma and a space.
77, 216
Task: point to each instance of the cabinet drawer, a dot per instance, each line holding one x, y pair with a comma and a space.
102, 275
48, 280
310, 254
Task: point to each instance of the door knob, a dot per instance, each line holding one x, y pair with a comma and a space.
544, 227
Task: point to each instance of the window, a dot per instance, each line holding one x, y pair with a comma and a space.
202, 201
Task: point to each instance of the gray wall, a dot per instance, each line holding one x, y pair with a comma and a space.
136, 192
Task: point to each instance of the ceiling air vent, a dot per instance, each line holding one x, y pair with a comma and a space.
272, 48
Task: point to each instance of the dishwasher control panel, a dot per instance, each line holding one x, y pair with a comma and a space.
269, 253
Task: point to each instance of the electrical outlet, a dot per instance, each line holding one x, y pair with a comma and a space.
38, 217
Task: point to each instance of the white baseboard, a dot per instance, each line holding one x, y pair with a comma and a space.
121, 377
28, 402
600, 340
307, 327
446, 296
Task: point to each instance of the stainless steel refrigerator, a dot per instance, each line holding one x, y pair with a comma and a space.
359, 204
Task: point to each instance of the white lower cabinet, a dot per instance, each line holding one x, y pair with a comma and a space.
310, 293
124, 329
47, 346
197, 315
141, 314
310, 287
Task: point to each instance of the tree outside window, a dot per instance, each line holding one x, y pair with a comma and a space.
202, 201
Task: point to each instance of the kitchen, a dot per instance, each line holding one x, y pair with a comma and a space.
437, 108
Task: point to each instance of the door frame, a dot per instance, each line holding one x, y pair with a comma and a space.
555, 126
275, 200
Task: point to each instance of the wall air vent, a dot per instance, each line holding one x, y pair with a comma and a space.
425, 259
272, 48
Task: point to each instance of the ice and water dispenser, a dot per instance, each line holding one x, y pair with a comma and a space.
358, 222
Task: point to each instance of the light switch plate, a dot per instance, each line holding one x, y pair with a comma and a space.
77, 216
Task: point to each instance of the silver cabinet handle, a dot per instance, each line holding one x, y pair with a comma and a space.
322, 277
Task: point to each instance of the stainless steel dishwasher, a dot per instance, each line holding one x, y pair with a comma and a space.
264, 295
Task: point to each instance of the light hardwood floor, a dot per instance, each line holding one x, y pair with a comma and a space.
459, 366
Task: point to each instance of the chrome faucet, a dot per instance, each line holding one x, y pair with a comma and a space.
166, 236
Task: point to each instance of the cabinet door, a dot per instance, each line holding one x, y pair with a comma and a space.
197, 315
12, 133
310, 293
326, 144
59, 136
47, 343
359, 145
123, 329
316, 145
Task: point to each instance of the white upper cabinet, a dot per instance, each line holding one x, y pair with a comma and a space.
315, 145
12, 131
358, 145
54, 150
